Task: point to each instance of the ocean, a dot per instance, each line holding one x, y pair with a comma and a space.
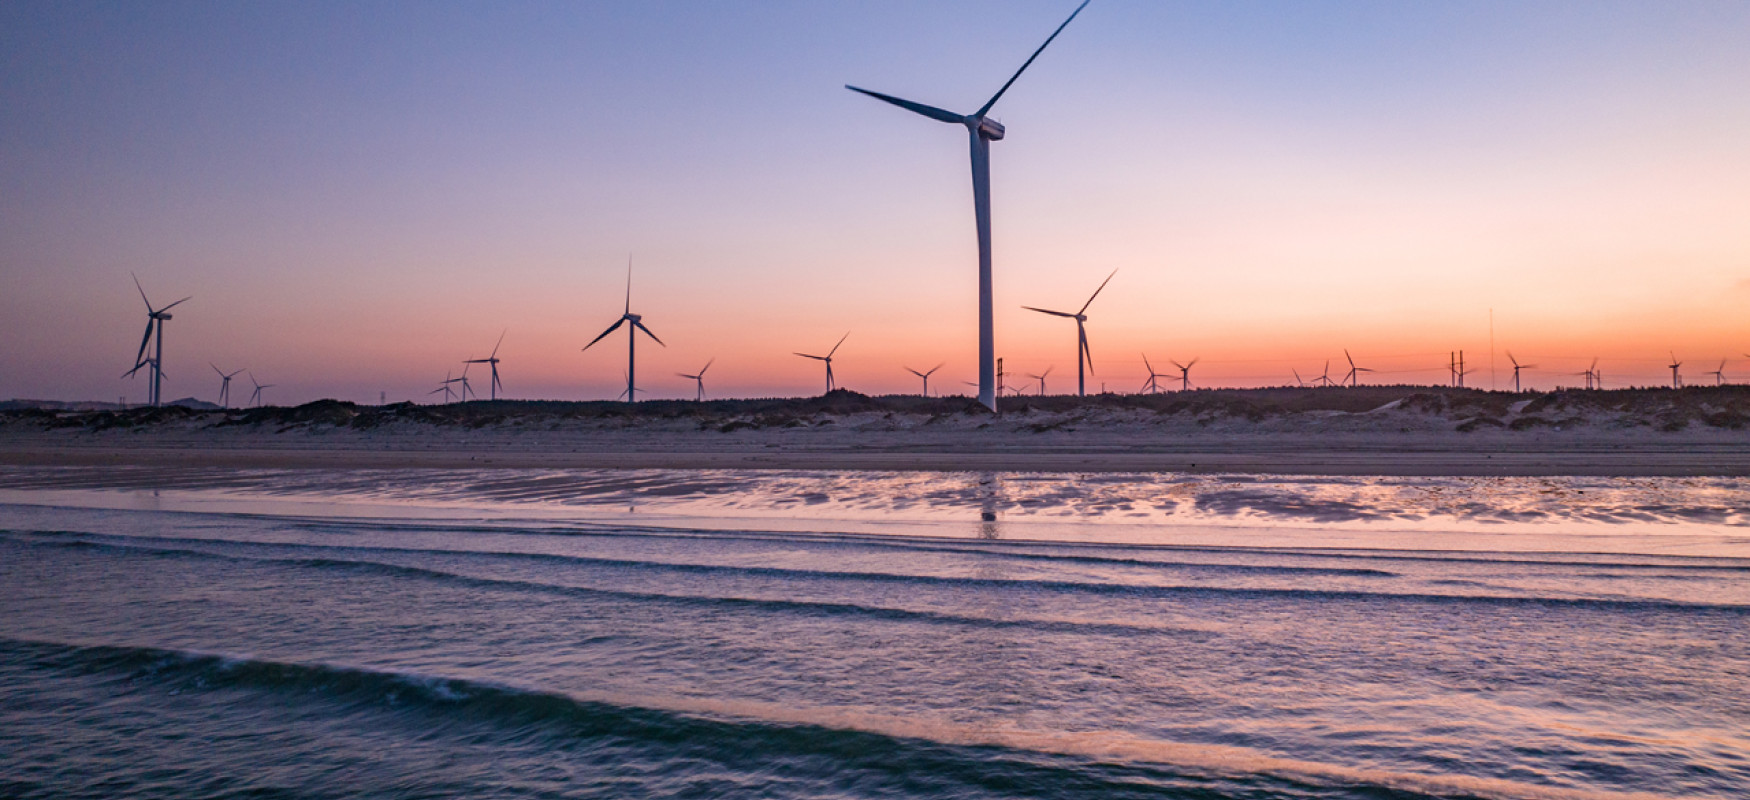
199, 633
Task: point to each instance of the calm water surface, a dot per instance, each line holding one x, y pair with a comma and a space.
736, 634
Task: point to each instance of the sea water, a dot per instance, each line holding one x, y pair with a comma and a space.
571, 633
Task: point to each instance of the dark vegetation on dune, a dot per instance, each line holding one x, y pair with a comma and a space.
1726, 407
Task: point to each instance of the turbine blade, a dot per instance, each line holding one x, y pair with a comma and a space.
1151, 367
835, 348
1048, 311
500, 341
914, 372
817, 358
943, 364
145, 340
1097, 292
917, 108
1087, 354
647, 332
706, 367
628, 283
175, 304
611, 329
995, 97
1193, 362
149, 308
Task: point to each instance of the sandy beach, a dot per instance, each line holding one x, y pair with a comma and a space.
1409, 432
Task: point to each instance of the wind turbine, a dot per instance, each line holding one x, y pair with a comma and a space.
445, 387
1152, 385
466, 389
1354, 371
631, 337
1719, 374
1516, 368
225, 385
699, 378
1185, 373
256, 397
492, 360
1041, 378
1082, 353
155, 319
1676, 379
1591, 376
925, 376
1297, 380
828, 359
983, 130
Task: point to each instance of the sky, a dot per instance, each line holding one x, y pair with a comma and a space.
359, 196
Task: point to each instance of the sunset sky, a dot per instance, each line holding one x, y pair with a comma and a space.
359, 196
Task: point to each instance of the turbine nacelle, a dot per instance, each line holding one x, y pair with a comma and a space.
986, 127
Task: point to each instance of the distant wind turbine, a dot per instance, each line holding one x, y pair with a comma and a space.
925, 376
1324, 378
1719, 374
631, 394
1676, 379
828, 359
699, 378
1354, 371
983, 131
445, 387
1041, 378
224, 385
492, 360
1591, 376
1152, 385
256, 397
155, 319
466, 389
1185, 373
1516, 368
1083, 356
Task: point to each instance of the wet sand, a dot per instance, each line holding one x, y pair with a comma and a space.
1483, 459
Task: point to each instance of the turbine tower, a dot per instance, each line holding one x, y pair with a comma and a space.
492, 360
1082, 353
224, 385
1516, 368
155, 319
982, 131
1185, 373
925, 376
631, 337
828, 359
699, 378
1676, 379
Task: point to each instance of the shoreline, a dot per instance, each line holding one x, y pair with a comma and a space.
1597, 460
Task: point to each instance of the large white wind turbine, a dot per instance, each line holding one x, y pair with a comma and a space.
1083, 356
983, 131
631, 394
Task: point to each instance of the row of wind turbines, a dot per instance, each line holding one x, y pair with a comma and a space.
981, 130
